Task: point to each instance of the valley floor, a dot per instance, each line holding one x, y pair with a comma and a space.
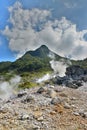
45, 108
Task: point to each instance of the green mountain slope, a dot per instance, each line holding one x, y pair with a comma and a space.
33, 65
31, 61
41, 52
4, 66
37, 60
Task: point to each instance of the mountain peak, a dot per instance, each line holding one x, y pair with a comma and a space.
42, 52
43, 47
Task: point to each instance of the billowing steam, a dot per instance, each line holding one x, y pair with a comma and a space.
44, 78
7, 89
59, 67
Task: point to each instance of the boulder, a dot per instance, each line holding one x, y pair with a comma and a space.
67, 106
24, 117
84, 78
21, 94
51, 93
71, 85
79, 83
28, 99
56, 101
75, 70
42, 90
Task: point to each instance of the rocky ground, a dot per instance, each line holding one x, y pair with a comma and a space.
45, 108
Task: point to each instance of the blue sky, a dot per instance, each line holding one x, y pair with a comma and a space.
27, 24
5, 52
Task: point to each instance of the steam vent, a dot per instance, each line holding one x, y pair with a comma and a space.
43, 65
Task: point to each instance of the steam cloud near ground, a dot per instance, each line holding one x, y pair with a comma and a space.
7, 88
44, 78
59, 68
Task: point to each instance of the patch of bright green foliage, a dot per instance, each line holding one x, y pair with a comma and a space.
29, 79
33, 65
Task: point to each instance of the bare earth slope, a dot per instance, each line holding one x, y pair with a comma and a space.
45, 108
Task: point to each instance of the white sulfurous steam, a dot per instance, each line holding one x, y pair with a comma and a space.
7, 88
59, 67
44, 78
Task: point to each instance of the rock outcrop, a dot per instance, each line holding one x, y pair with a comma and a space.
75, 77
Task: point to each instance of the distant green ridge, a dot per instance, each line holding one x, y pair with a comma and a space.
36, 60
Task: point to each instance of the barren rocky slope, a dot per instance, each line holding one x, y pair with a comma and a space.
45, 108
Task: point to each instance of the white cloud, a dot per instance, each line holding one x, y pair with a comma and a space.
63, 38
31, 28
23, 18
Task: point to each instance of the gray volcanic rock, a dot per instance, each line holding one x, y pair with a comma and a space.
22, 93
75, 77
73, 84
75, 70
41, 90
56, 101
44, 113
29, 99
